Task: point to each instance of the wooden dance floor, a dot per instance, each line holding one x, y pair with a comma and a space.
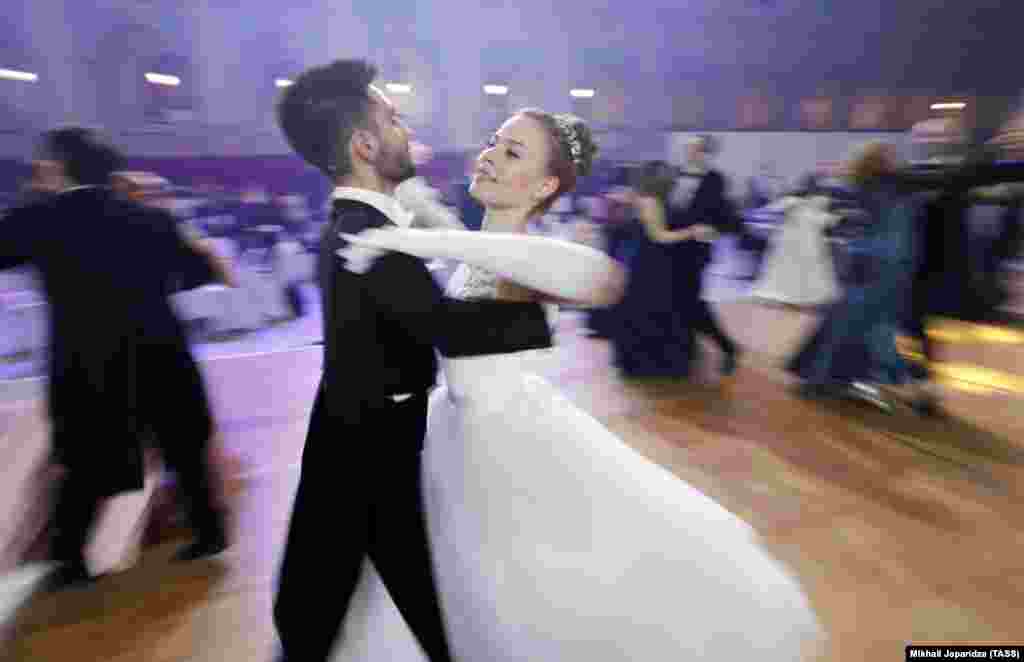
901, 528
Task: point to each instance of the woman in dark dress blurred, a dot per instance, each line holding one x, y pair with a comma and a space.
653, 335
620, 239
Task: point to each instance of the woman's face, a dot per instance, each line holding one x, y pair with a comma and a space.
512, 171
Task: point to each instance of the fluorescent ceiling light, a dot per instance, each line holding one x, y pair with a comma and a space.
581, 93
957, 105
282, 82
163, 79
398, 88
11, 74
496, 90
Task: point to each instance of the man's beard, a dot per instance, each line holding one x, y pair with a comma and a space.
397, 166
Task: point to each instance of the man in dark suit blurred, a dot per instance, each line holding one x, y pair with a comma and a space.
120, 364
699, 200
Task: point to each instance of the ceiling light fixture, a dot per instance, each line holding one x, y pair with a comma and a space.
163, 79
12, 74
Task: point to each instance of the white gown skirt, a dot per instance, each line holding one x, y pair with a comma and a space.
553, 540
798, 268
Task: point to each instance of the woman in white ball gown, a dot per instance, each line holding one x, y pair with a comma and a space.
553, 540
798, 269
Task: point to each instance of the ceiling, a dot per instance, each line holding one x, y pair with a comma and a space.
804, 44
800, 44
655, 53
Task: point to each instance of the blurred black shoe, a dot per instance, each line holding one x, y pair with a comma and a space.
870, 394
202, 549
68, 576
927, 406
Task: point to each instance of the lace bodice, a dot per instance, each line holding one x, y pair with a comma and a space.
473, 283
469, 282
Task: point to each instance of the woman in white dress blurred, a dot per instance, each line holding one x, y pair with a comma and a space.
553, 540
798, 268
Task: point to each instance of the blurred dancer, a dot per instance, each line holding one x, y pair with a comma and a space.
654, 336
120, 361
799, 269
698, 202
854, 348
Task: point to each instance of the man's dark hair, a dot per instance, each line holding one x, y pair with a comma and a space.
319, 112
87, 157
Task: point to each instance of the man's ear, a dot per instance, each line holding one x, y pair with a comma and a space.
365, 144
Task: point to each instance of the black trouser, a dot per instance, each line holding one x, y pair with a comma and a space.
689, 278
80, 495
176, 412
707, 324
78, 501
356, 501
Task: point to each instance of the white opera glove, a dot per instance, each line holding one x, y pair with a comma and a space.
359, 258
418, 197
557, 268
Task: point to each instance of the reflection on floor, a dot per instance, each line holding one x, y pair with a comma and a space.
901, 528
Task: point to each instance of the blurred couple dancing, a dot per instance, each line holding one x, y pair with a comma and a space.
491, 518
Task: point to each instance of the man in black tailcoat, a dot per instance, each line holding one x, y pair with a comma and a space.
120, 366
359, 493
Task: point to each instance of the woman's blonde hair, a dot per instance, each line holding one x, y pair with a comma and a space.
870, 162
